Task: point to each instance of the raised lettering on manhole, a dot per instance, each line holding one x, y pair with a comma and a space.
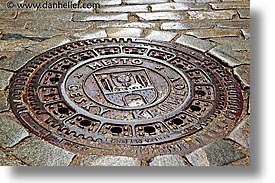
126, 96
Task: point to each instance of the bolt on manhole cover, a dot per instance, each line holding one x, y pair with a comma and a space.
126, 96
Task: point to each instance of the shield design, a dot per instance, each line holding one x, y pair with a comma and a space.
127, 88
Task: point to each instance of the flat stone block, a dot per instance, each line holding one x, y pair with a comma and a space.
83, 17
160, 35
214, 15
212, 33
168, 160
187, 25
190, 41
125, 25
90, 34
129, 8
241, 133
177, 7
5, 76
109, 161
230, 57
243, 73
144, 1
15, 60
218, 153
40, 153
48, 44
123, 32
161, 16
11, 133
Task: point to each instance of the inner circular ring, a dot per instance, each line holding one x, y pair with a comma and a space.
96, 117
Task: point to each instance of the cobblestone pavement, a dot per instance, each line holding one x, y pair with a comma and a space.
218, 27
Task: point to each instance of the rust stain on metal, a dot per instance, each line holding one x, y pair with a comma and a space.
126, 96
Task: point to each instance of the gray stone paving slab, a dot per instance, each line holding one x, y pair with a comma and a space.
231, 5
233, 24
28, 34
109, 161
233, 43
243, 73
129, 8
230, 57
246, 33
5, 76
40, 153
15, 45
160, 35
198, 158
45, 14
178, 6
104, 2
16, 60
162, 16
202, 45
3, 102
90, 34
11, 133
123, 32
143, 1
218, 153
222, 15
7, 160
48, 44
168, 160
210, 33
125, 25
99, 17
244, 13
187, 25
241, 133
49, 24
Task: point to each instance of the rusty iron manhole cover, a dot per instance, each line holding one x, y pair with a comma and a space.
126, 96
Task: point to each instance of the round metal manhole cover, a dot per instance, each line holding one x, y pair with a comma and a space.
126, 96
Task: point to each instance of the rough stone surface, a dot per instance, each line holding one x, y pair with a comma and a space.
168, 160
109, 161
241, 133
210, 33
198, 158
99, 17
246, 33
223, 14
187, 25
131, 8
7, 160
243, 74
177, 6
218, 153
15, 45
11, 133
3, 102
15, 61
56, 25
235, 44
144, 1
160, 35
244, 13
90, 34
4, 79
49, 43
230, 57
123, 32
40, 153
125, 25
161, 16
202, 45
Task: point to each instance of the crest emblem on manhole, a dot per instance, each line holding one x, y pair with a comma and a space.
126, 96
